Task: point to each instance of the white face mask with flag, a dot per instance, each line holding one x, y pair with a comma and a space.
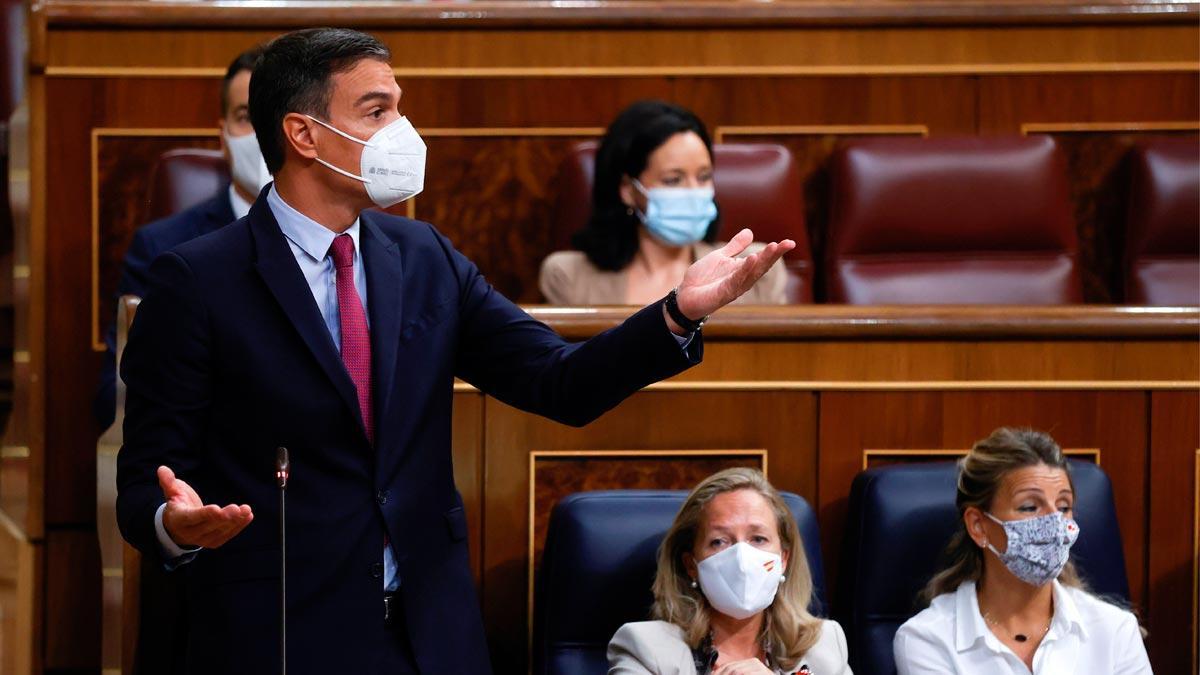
742, 580
392, 164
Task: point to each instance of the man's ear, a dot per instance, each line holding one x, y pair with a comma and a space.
298, 133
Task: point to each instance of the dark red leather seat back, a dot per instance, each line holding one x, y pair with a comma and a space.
183, 178
758, 186
982, 220
1162, 244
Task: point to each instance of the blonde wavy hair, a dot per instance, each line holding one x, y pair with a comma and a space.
788, 629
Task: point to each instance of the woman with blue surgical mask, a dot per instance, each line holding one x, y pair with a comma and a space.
653, 213
732, 592
1010, 600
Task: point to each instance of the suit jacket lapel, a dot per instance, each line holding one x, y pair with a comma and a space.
385, 275
279, 270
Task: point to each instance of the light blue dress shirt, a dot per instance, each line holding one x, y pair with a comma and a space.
309, 242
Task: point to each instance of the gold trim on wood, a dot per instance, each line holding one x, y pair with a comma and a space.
21, 356
21, 272
867, 454
14, 452
535, 455
674, 71
126, 132
906, 385
822, 130
1089, 127
918, 385
112, 573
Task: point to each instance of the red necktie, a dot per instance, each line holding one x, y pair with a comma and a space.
356, 340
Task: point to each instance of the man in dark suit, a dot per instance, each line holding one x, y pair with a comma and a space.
227, 205
337, 332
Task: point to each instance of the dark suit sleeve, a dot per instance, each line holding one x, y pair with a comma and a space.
521, 361
135, 271
167, 372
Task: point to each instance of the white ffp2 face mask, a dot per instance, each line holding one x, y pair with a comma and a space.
247, 166
392, 164
741, 581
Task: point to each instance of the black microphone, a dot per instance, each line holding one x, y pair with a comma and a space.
283, 467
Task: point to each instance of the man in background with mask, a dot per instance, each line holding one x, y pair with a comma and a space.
231, 202
336, 331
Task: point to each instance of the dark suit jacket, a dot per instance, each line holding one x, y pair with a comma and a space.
229, 358
149, 241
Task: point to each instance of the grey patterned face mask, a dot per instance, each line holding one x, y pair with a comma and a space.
1038, 548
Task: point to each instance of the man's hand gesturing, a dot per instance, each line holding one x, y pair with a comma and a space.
190, 522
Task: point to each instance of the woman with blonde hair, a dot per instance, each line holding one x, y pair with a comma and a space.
1010, 601
732, 592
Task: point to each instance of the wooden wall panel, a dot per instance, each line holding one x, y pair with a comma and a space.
781, 423
72, 599
493, 197
1174, 472
1008, 101
1113, 422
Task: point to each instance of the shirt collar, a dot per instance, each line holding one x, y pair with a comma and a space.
970, 626
1066, 614
239, 206
312, 237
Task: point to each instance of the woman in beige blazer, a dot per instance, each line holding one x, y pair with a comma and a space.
732, 592
653, 215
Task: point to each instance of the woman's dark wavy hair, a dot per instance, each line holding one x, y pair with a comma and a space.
610, 237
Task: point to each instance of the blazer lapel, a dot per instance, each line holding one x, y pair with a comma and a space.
279, 270
385, 275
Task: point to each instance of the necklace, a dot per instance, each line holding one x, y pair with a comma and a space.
1019, 637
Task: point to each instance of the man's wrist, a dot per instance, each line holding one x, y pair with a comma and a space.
677, 316
171, 550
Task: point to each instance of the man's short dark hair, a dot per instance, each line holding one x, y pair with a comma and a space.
247, 60
294, 76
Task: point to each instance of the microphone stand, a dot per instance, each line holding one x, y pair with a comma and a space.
283, 467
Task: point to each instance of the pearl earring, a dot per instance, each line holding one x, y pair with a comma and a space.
782, 578
694, 584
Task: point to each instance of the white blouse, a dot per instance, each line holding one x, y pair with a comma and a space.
1086, 636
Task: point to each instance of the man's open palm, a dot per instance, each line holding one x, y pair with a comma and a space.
721, 277
190, 522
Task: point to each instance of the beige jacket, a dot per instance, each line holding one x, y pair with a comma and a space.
657, 648
569, 278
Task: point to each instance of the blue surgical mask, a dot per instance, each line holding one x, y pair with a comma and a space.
677, 216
